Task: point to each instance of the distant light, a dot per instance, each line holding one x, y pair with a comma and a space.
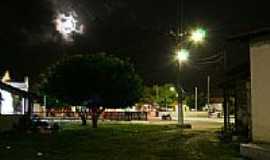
8, 147
67, 24
182, 55
39, 154
172, 89
198, 35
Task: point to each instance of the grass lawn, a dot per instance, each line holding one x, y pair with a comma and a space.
117, 142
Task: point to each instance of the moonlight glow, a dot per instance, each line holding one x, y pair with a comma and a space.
67, 24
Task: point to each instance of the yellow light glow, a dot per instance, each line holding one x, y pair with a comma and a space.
198, 35
172, 89
182, 55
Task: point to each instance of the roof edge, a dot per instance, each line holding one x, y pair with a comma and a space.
251, 34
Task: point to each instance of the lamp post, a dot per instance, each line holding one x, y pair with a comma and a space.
198, 35
182, 55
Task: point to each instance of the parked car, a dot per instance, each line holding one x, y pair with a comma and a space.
166, 117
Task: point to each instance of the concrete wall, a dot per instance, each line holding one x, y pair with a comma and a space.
260, 90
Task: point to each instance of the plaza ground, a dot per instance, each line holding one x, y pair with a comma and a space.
121, 140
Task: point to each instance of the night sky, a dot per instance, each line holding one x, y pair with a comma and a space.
137, 30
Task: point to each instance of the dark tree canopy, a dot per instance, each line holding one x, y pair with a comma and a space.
201, 100
93, 80
164, 96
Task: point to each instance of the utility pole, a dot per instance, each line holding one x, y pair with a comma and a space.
157, 92
44, 105
166, 105
196, 98
208, 92
45, 101
179, 38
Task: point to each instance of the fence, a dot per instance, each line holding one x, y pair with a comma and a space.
125, 116
118, 116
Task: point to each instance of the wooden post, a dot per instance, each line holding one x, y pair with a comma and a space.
196, 99
30, 106
225, 110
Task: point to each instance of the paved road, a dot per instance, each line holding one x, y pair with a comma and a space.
197, 123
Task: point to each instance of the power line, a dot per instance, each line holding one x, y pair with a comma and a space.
182, 18
210, 57
219, 59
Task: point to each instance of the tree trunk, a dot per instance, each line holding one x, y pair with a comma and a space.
94, 121
83, 118
95, 115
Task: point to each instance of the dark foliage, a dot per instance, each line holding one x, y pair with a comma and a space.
93, 80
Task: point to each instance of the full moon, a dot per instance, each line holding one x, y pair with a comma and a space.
67, 25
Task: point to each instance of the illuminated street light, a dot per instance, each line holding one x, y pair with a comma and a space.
172, 89
198, 35
182, 55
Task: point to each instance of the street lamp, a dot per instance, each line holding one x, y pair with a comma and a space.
182, 55
172, 89
198, 35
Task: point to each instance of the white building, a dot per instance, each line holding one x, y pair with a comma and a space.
15, 102
259, 57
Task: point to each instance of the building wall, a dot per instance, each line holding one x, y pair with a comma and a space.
260, 90
9, 122
6, 102
242, 108
11, 104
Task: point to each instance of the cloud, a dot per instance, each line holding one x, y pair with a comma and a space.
25, 22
